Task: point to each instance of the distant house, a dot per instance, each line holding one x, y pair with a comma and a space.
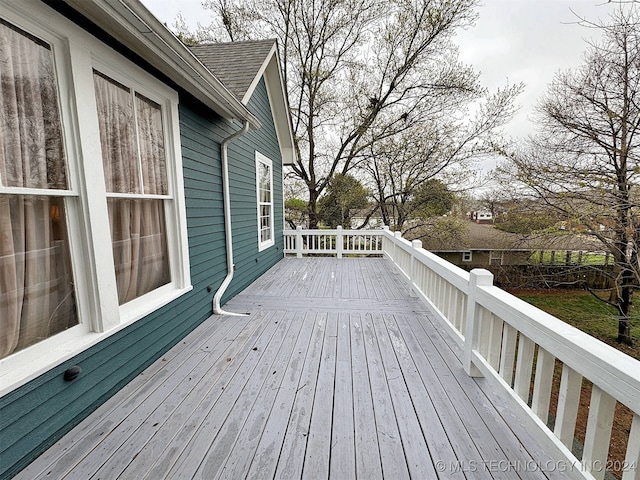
364, 219
140, 189
480, 216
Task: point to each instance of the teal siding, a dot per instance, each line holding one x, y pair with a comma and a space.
250, 263
36, 415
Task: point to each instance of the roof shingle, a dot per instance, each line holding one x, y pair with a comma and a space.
234, 64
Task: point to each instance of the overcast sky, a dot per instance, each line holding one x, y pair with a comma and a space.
512, 41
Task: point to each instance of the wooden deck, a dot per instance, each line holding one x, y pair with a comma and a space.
336, 373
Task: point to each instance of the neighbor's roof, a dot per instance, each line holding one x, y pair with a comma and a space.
235, 64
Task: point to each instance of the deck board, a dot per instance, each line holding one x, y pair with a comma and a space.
336, 373
342, 459
366, 438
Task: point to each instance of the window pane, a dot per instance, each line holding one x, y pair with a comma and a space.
265, 222
117, 135
151, 137
36, 282
265, 206
138, 234
31, 149
264, 182
265, 215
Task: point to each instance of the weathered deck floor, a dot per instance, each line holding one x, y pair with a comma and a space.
336, 373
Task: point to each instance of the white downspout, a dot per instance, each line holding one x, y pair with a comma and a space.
227, 222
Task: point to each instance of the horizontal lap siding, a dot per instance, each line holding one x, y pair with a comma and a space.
37, 414
202, 134
250, 263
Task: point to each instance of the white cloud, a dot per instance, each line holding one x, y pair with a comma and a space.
528, 41
512, 41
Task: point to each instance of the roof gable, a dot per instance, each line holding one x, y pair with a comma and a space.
240, 66
236, 64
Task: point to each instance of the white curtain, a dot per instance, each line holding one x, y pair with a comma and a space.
36, 285
138, 230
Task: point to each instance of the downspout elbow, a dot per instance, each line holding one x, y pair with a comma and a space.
228, 234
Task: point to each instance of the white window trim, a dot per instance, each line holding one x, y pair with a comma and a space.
260, 158
141, 82
76, 53
467, 256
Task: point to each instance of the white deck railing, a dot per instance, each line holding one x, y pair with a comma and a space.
333, 242
515, 345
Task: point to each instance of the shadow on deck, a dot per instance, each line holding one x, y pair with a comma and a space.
337, 372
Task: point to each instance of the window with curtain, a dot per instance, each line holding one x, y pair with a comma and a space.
37, 297
90, 162
133, 158
264, 188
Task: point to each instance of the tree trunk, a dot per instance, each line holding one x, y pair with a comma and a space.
313, 209
624, 330
625, 302
626, 281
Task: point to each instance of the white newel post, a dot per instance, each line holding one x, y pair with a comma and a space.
299, 241
385, 242
396, 236
415, 245
478, 277
339, 244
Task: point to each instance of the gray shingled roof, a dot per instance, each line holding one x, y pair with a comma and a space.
234, 64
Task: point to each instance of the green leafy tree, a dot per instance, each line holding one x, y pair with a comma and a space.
295, 211
344, 196
433, 198
527, 224
440, 233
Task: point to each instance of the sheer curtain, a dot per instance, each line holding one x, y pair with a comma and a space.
134, 164
36, 285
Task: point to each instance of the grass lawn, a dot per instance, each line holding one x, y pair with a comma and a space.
584, 311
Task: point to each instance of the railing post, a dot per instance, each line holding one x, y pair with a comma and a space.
478, 277
385, 242
299, 241
415, 245
339, 245
396, 237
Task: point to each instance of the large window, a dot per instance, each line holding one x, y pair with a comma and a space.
264, 190
92, 215
37, 298
132, 141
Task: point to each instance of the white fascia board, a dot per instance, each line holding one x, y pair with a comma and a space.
279, 102
129, 22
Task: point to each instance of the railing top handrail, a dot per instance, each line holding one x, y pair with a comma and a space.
613, 371
332, 231
452, 273
519, 250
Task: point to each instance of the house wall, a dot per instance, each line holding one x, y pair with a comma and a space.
37, 414
250, 263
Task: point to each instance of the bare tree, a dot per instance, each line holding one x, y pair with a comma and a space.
584, 163
443, 147
358, 71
